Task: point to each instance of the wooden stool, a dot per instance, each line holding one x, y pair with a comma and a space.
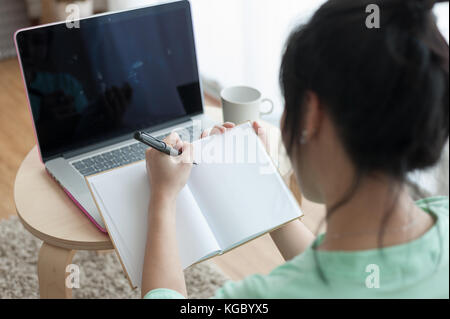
48, 213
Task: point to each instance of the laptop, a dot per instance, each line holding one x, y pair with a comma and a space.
90, 88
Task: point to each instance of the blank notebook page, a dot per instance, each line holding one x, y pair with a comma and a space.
123, 197
238, 189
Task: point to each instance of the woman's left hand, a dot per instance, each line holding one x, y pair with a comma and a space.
168, 175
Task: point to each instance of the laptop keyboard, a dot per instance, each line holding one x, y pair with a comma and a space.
122, 156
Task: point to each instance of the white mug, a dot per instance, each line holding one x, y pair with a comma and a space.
242, 103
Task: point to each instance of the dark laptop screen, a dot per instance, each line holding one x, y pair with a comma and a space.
111, 76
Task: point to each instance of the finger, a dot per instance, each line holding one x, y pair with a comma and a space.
205, 134
147, 160
179, 145
188, 153
147, 154
173, 139
229, 125
259, 130
217, 130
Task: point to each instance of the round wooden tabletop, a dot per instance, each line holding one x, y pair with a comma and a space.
49, 214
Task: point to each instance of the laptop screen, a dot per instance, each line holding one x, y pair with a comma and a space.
113, 75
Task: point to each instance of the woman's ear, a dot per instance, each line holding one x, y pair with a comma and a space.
312, 118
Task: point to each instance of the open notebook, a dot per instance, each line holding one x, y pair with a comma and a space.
234, 195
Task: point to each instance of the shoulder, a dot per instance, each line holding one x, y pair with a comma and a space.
294, 279
435, 205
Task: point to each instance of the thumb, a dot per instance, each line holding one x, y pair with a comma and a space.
259, 130
262, 134
173, 139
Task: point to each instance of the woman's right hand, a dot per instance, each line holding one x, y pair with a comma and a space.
220, 129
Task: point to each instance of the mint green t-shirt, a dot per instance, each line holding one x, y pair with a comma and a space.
418, 269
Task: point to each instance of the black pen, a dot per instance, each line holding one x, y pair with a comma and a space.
157, 144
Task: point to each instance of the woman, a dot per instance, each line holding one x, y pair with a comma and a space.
364, 107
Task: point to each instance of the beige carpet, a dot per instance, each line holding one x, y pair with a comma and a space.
101, 275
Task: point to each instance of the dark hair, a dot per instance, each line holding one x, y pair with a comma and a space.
385, 89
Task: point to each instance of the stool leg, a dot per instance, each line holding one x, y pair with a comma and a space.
52, 274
